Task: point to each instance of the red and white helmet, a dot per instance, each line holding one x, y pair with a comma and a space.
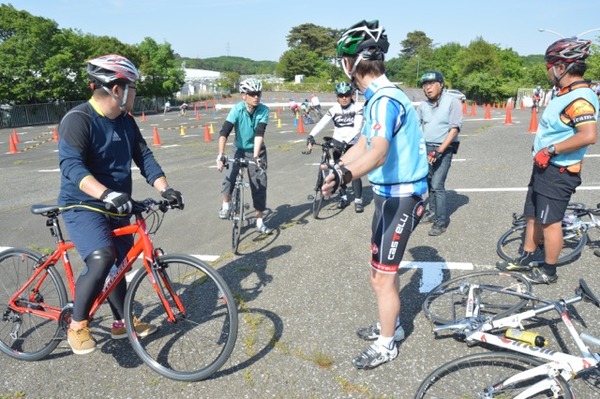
111, 68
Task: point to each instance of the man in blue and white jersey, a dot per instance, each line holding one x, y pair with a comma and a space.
391, 151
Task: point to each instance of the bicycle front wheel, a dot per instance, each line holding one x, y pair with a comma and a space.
510, 244
24, 335
237, 216
318, 198
201, 338
447, 303
482, 375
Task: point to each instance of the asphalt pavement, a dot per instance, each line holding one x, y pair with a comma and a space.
303, 290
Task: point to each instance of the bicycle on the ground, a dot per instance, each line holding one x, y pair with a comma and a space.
326, 163
238, 207
578, 220
472, 308
187, 300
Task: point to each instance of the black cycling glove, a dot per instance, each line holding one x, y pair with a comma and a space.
117, 201
173, 196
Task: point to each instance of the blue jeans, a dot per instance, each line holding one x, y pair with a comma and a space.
436, 183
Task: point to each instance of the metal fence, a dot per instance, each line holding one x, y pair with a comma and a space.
52, 113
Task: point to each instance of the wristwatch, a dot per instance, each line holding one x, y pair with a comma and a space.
551, 149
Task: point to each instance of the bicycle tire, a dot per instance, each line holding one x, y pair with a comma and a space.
470, 376
237, 213
318, 197
38, 336
197, 343
510, 245
447, 302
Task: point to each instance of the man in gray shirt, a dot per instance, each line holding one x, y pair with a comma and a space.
441, 120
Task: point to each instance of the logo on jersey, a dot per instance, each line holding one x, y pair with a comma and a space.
115, 137
376, 127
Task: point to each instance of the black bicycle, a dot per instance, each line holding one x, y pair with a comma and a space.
575, 234
237, 210
327, 145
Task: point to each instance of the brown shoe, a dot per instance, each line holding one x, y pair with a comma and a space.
118, 330
81, 341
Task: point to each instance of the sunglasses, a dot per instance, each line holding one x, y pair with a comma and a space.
254, 93
344, 95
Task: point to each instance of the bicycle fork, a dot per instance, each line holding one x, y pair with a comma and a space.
164, 288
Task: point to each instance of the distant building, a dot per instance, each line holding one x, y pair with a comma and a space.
199, 81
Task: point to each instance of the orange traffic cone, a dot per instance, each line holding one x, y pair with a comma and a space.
54, 135
207, 137
533, 124
300, 125
156, 137
197, 115
488, 112
16, 136
464, 108
473, 106
508, 118
12, 145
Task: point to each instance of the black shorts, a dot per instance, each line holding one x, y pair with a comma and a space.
549, 193
393, 222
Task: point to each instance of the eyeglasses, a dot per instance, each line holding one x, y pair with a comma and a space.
254, 93
132, 87
347, 95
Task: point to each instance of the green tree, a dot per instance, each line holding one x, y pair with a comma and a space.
318, 39
299, 61
161, 77
26, 42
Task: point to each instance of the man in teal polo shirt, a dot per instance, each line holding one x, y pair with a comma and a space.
249, 118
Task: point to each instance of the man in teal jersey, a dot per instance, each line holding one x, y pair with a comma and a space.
567, 128
249, 118
391, 151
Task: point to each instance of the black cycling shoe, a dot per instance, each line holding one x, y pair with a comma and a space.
538, 276
521, 264
358, 207
342, 204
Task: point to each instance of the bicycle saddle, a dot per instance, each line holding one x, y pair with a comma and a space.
587, 293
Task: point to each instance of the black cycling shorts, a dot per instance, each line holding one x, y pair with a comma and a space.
394, 220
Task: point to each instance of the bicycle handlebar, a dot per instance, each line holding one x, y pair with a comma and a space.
243, 162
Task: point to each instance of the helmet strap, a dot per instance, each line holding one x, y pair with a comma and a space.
122, 102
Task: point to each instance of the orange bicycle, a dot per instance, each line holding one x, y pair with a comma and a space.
188, 300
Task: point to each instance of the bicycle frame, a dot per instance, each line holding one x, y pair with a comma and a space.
143, 245
473, 329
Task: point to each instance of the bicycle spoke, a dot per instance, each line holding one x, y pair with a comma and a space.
447, 302
24, 335
201, 339
481, 375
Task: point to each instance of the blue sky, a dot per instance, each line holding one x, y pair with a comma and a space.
257, 29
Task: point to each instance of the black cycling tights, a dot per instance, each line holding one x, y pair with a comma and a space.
91, 281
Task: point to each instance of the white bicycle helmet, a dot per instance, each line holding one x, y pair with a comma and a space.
110, 69
250, 85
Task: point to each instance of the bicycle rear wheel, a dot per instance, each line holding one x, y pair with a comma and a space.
237, 215
447, 302
318, 198
201, 338
480, 375
510, 244
24, 335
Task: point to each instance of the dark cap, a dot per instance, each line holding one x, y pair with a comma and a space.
432, 76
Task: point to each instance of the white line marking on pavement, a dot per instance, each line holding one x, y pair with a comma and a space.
433, 274
509, 189
204, 258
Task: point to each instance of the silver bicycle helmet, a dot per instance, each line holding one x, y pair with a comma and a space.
110, 69
249, 85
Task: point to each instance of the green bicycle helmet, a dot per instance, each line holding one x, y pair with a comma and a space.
361, 38
432, 76
343, 88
